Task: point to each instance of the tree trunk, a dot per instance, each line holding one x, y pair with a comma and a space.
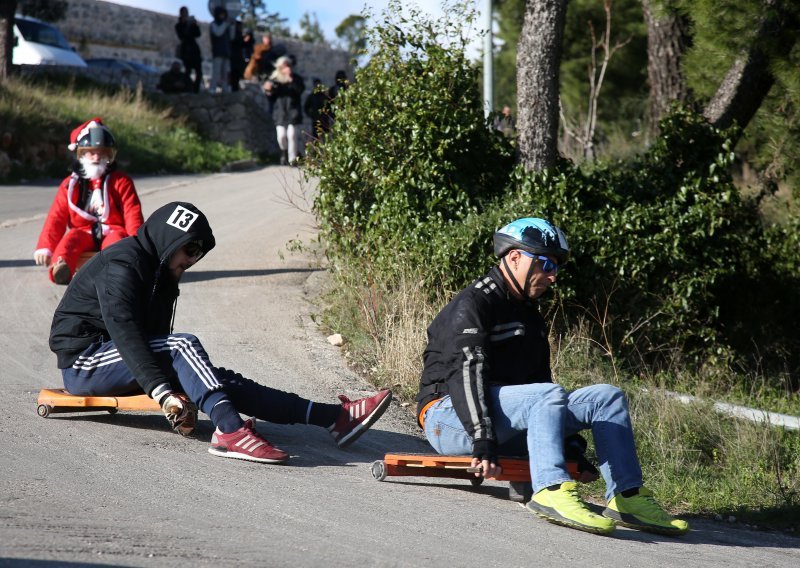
7, 9
749, 79
538, 62
667, 40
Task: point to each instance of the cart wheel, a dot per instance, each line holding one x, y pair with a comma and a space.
113, 410
476, 481
43, 410
378, 470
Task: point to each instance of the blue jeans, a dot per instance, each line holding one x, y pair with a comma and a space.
535, 419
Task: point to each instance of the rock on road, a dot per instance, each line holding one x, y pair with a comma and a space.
123, 490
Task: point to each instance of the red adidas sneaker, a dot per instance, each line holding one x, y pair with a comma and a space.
246, 444
357, 416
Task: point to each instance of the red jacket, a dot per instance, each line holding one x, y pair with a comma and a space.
122, 212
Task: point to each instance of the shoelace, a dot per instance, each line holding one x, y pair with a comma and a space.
651, 508
573, 493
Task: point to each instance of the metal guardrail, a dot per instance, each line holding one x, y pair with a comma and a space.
743, 412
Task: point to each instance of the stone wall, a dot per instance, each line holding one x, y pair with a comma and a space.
231, 118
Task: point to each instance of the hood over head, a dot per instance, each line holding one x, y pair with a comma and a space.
172, 226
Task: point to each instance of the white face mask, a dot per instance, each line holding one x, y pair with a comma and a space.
94, 170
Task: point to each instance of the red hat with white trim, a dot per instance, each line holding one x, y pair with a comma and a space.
92, 134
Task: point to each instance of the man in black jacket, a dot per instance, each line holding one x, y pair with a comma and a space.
486, 388
112, 334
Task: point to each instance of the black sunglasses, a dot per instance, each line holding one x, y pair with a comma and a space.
193, 249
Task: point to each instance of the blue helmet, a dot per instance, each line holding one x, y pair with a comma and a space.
533, 235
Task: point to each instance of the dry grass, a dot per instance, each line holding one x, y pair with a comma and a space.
71, 101
400, 337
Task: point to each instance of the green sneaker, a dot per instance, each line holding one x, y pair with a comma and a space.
563, 506
642, 512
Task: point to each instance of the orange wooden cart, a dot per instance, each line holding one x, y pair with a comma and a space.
515, 470
57, 401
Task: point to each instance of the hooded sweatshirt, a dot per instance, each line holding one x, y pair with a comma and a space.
126, 293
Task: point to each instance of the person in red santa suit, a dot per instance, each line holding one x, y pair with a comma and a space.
95, 206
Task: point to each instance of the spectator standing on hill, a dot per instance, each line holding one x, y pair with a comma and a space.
269, 54
248, 43
112, 334
237, 55
262, 62
505, 122
188, 51
221, 34
340, 84
487, 390
284, 89
313, 107
94, 207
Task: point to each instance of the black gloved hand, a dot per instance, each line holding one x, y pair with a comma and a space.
485, 450
575, 450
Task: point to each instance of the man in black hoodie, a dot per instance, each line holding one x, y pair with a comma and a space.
112, 334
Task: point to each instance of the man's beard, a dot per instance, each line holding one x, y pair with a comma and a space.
92, 170
282, 78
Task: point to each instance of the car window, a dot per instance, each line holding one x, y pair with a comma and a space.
42, 33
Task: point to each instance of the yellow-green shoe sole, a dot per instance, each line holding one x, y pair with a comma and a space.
632, 522
552, 516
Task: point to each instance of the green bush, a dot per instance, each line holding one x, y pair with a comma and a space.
669, 260
410, 155
671, 264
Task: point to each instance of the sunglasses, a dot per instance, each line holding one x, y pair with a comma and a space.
548, 265
194, 249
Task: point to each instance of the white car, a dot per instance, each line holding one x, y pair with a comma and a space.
39, 43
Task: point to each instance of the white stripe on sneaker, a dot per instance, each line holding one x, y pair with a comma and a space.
249, 443
358, 410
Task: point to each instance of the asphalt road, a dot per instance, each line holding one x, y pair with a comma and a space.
123, 490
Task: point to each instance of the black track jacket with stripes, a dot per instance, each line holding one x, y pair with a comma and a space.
127, 294
483, 336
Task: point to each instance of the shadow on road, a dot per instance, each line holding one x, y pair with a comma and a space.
309, 446
32, 563
312, 447
201, 275
17, 263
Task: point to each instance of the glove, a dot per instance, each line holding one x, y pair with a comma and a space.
575, 450
180, 412
484, 450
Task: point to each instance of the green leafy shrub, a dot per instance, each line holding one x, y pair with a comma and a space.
669, 260
671, 264
410, 155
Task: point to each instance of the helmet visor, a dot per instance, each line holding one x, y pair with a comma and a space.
96, 137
